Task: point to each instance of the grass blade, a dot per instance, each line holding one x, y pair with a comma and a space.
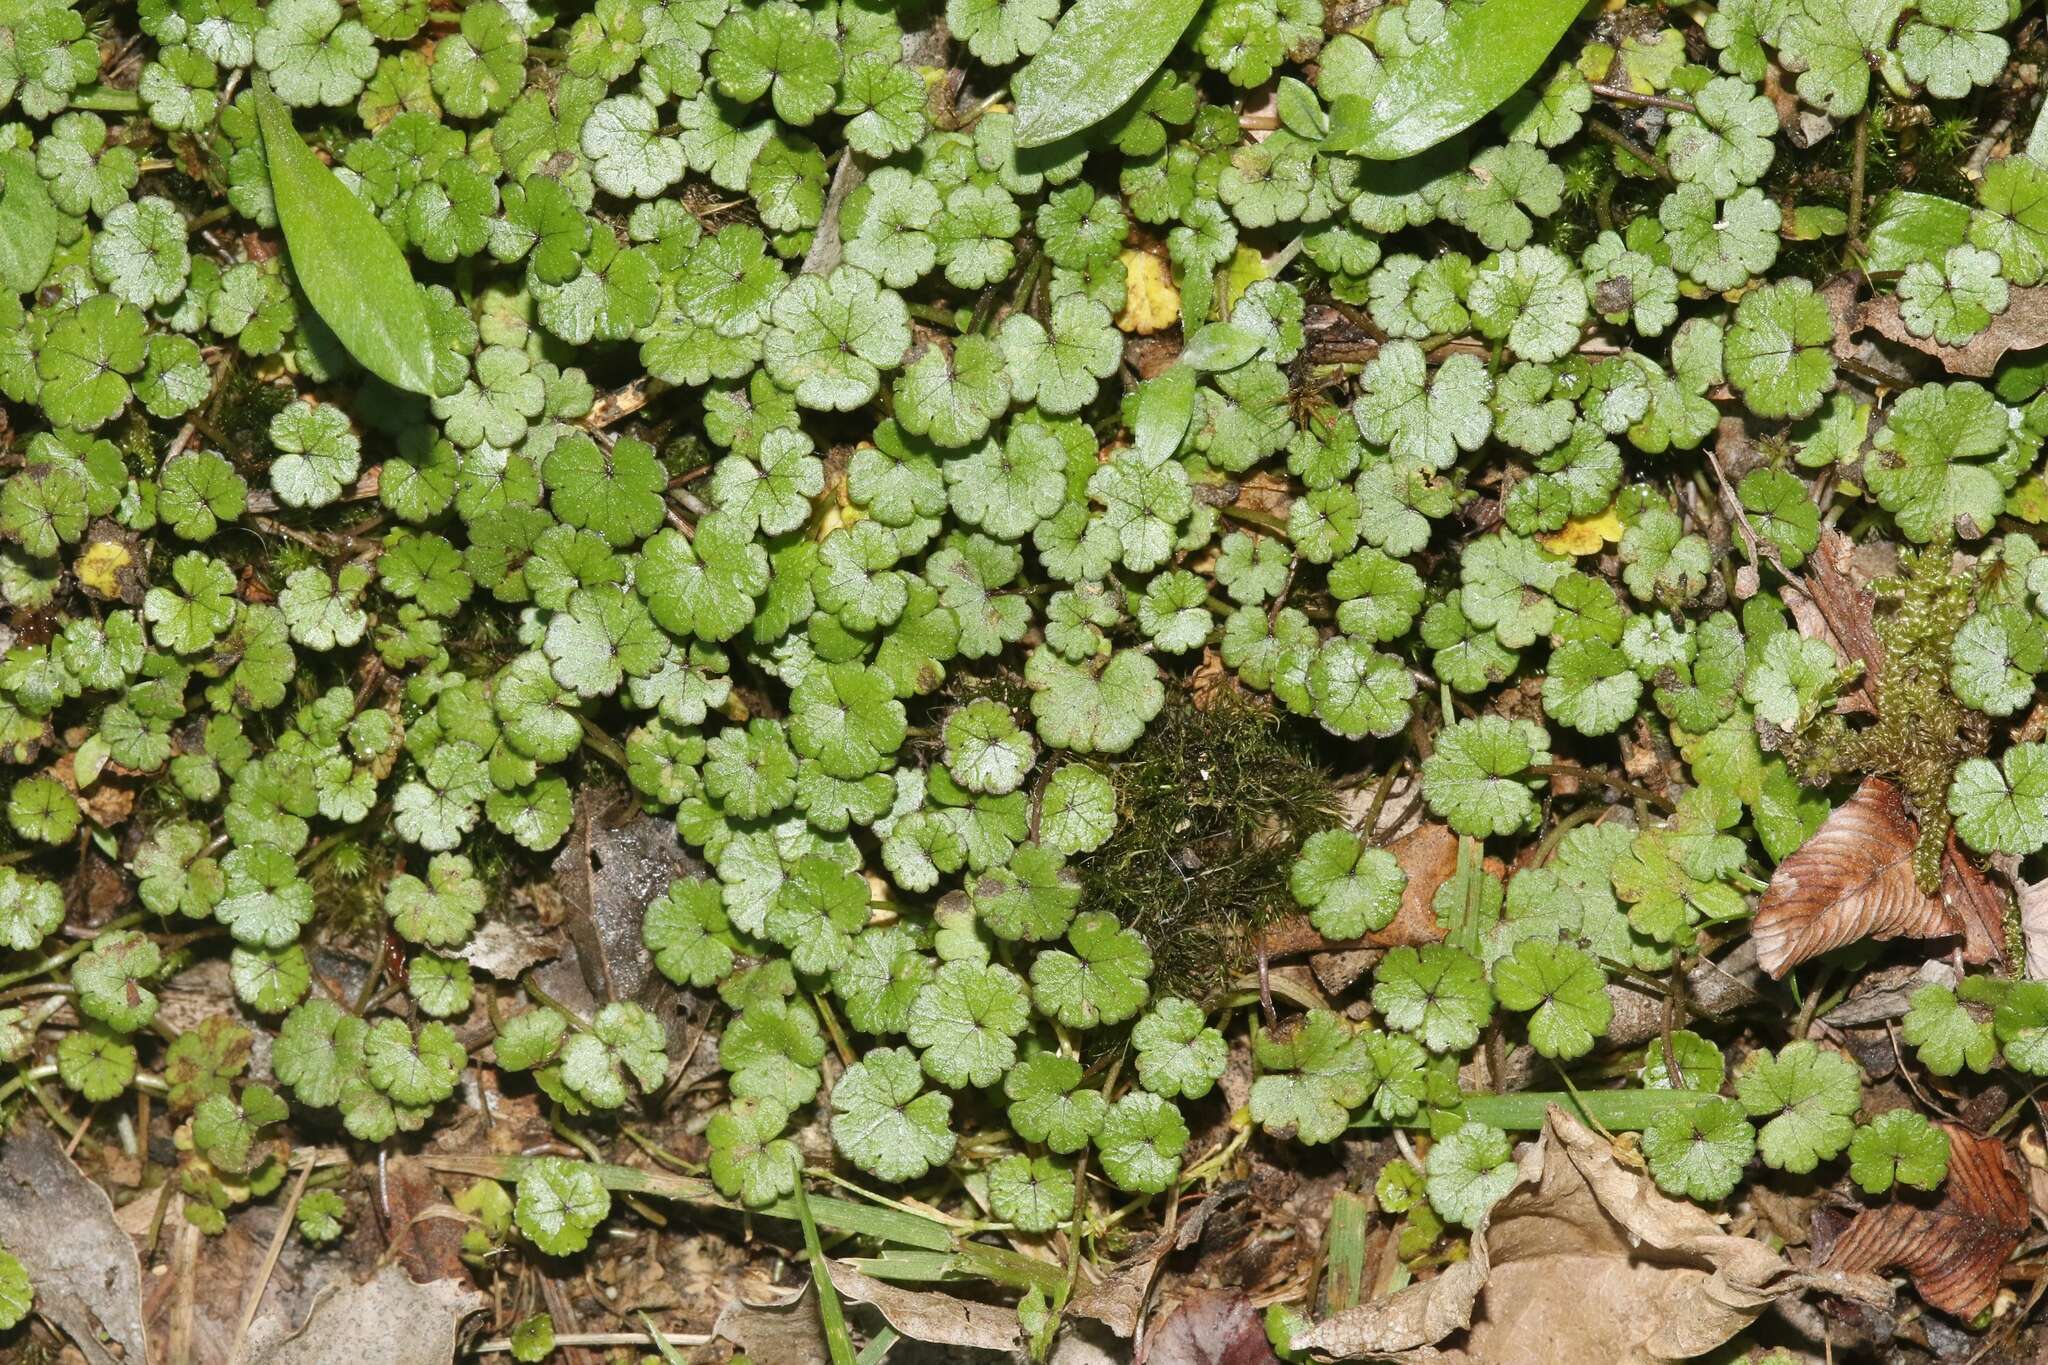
837, 1339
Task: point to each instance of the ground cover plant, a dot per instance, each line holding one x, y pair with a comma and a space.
1189, 680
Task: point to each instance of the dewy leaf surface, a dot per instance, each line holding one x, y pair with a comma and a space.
353, 274
1485, 54
1100, 52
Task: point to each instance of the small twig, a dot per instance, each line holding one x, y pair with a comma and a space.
1633, 148
500, 1345
1621, 96
284, 1226
1620, 784
1860, 159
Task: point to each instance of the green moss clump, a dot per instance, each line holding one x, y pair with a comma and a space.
1212, 805
1922, 732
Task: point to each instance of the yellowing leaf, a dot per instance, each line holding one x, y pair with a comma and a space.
1151, 302
1650, 65
1584, 535
2029, 501
99, 568
1247, 267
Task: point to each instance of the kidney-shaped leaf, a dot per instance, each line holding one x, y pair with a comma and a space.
354, 275
1486, 54
1100, 52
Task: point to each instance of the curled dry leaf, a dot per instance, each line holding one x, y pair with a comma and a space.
1955, 1251
1854, 880
2021, 327
940, 1319
1650, 1278
1830, 602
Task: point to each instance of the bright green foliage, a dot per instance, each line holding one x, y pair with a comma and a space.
1468, 1172
1925, 473
2003, 807
1178, 1054
1438, 993
1946, 1035
1777, 351
1140, 1143
560, 1203
17, 1295
751, 1160
1474, 779
1809, 1094
940, 549
1350, 890
1563, 989
1314, 1073
884, 1122
1698, 1150
1898, 1146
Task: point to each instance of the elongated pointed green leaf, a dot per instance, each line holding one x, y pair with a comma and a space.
1100, 52
1487, 53
28, 224
354, 275
1620, 1111
1165, 406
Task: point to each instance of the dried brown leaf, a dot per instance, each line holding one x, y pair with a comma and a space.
387, 1320
1118, 1299
1830, 602
422, 1231
61, 1227
1955, 1251
2021, 327
1428, 854
1649, 1278
505, 950
1211, 1327
1975, 902
2034, 927
1852, 880
616, 861
922, 1315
